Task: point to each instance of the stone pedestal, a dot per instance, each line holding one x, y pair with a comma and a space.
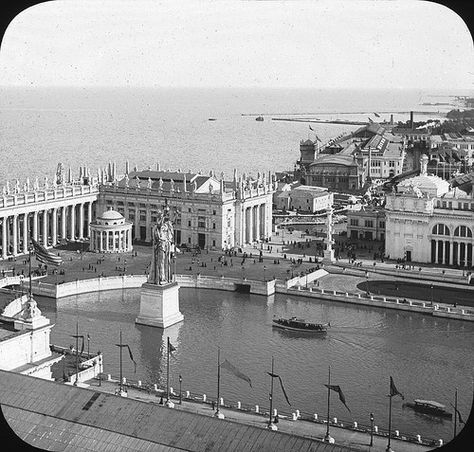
159, 305
328, 256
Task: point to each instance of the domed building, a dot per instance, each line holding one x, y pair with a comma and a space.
428, 221
111, 233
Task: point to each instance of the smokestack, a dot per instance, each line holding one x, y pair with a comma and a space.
391, 119
411, 120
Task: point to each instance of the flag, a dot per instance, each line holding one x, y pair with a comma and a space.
45, 256
281, 385
393, 390
458, 414
130, 353
82, 337
338, 389
171, 348
231, 368
310, 128
370, 120
376, 114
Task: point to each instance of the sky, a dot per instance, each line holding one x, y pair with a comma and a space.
380, 44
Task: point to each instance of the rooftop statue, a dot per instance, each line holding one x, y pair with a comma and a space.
163, 246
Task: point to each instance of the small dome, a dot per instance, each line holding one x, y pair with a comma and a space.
111, 215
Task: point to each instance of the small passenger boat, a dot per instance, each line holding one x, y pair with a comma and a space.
212, 119
294, 324
429, 407
259, 118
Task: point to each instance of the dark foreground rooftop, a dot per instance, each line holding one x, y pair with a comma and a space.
55, 416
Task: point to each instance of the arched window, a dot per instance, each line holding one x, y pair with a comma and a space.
440, 229
463, 231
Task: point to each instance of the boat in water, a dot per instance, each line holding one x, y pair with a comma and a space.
429, 407
259, 118
294, 324
212, 119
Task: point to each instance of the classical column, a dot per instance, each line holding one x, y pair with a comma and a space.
257, 222
4, 237
81, 221
63, 222
114, 240
15, 234
459, 253
148, 225
451, 251
73, 222
25, 233
89, 217
107, 240
45, 227
250, 225
35, 225
54, 231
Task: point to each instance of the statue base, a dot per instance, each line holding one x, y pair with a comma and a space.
159, 305
328, 256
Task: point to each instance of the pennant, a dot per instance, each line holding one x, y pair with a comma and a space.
461, 421
171, 348
231, 368
370, 120
44, 256
281, 385
82, 337
310, 128
130, 353
376, 114
338, 389
393, 390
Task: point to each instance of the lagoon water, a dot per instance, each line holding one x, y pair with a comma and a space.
427, 357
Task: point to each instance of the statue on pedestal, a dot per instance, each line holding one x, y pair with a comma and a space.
163, 237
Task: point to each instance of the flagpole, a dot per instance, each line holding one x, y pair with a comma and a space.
120, 384
218, 380
77, 353
271, 397
327, 437
388, 449
455, 411
168, 371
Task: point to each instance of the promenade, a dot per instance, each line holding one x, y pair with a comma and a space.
356, 440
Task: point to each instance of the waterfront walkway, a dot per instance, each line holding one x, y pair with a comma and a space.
356, 440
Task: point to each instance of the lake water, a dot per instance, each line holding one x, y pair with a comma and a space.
427, 357
42, 127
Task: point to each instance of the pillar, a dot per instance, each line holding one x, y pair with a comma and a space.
107, 240
35, 225
54, 232
257, 222
45, 227
63, 222
15, 234
73, 222
89, 218
250, 226
4, 237
459, 253
25, 233
81, 221
451, 251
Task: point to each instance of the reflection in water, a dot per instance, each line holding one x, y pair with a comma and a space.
427, 358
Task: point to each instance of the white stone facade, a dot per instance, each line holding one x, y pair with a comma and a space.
207, 212
49, 214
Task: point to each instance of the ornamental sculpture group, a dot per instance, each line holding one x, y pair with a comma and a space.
163, 248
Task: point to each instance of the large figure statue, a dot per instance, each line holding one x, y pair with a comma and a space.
162, 233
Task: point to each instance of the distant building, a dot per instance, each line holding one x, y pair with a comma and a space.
304, 198
368, 223
348, 161
427, 221
207, 212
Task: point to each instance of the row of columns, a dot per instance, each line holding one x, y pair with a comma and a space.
254, 223
451, 252
111, 241
42, 225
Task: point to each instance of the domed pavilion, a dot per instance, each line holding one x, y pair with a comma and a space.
111, 233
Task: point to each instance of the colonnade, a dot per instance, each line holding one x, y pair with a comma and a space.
452, 252
255, 224
111, 241
46, 226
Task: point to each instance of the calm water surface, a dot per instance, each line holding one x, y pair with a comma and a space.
427, 357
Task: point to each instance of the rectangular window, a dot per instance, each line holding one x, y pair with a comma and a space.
214, 212
213, 225
143, 206
213, 243
201, 222
189, 223
369, 224
354, 222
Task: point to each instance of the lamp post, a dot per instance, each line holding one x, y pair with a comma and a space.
180, 396
264, 277
431, 287
371, 429
367, 279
